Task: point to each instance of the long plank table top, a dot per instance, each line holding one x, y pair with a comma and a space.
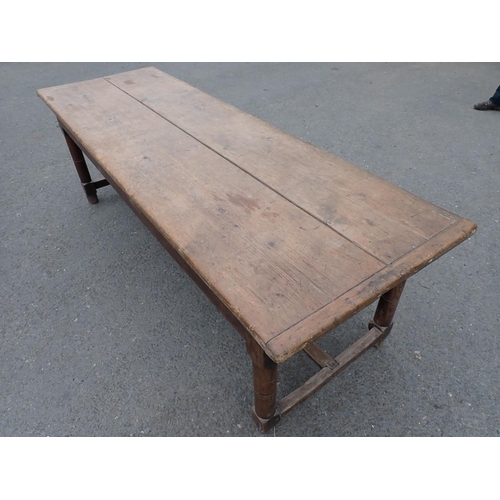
292, 239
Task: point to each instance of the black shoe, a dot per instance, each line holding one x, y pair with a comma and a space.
486, 106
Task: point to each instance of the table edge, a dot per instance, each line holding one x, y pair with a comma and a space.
287, 343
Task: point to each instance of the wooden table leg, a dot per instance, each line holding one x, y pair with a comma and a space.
81, 167
386, 308
265, 379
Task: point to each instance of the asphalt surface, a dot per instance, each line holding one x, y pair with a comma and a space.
102, 334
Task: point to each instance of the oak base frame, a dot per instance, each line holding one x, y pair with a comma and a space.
379, 328
90, 187
267, 411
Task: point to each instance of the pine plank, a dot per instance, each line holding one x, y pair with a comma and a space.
376, 215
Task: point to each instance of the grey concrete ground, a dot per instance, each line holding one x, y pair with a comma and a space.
103, 335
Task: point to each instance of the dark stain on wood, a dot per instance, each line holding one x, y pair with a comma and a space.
249, 204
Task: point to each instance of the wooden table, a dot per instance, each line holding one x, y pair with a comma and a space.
285, 239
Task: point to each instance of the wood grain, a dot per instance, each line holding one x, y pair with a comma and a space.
376, 215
